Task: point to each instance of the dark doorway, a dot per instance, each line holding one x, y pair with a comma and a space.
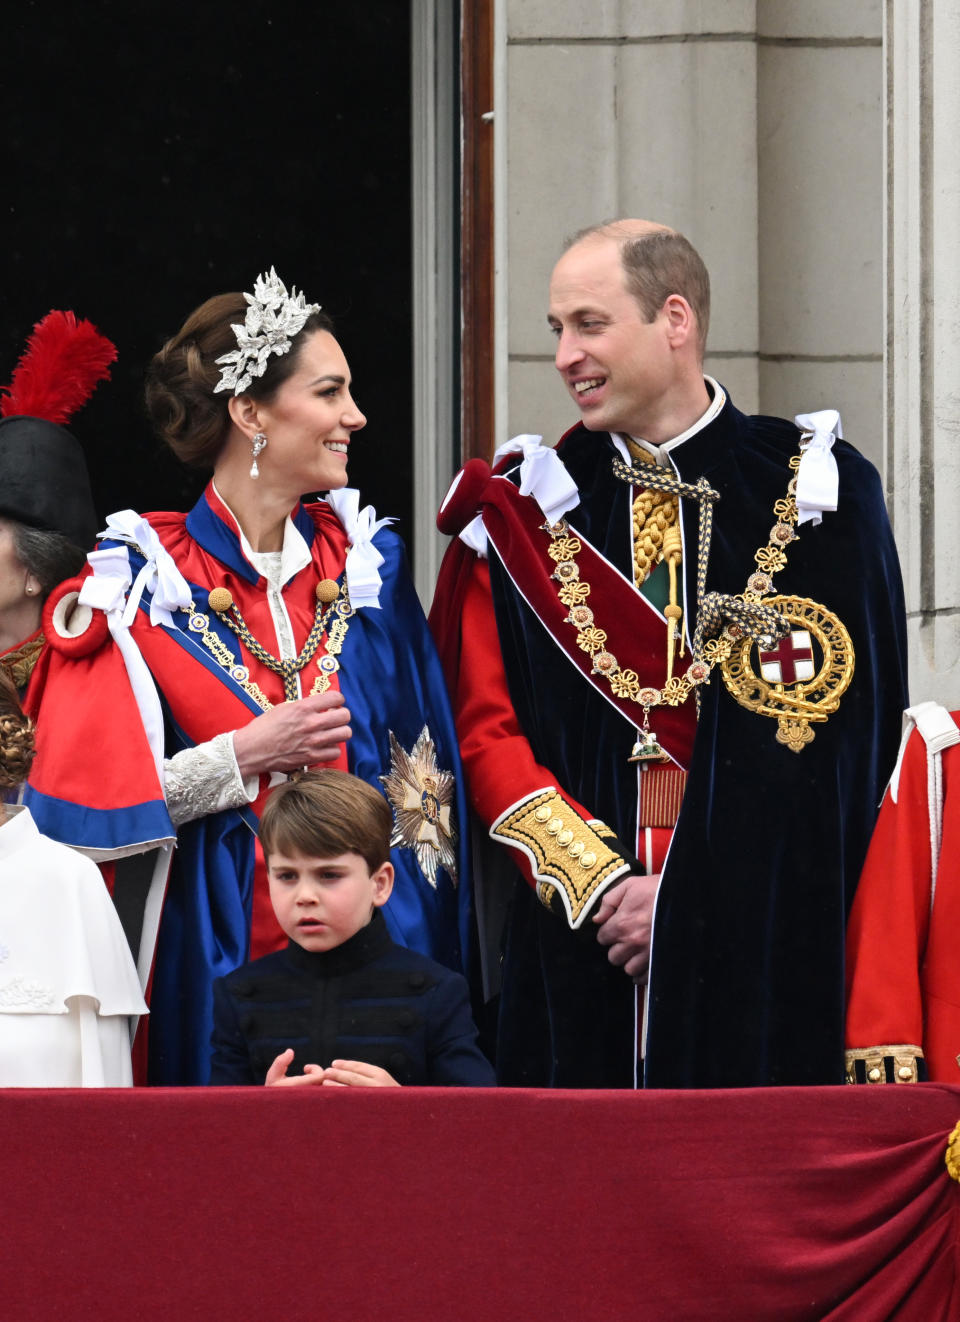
155, 156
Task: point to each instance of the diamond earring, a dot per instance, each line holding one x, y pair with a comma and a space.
259, 445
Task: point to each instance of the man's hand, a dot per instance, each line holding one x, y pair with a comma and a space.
357, 1074
625, 923
277, 1073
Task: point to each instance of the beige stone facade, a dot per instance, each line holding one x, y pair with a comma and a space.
792, 141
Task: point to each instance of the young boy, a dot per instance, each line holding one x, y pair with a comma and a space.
342, 1005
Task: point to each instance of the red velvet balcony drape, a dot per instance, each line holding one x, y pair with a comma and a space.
459, 1204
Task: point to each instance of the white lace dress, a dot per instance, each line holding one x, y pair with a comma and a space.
69, 991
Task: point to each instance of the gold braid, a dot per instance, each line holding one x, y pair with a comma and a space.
653, 513
656, 537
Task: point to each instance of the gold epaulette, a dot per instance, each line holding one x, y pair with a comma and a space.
572, 862
886, 1064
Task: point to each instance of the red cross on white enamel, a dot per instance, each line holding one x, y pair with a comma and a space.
790, 662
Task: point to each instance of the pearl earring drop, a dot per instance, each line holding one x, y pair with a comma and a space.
259, 445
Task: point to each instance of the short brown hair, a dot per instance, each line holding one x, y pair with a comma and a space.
323, 814
657, 264
182, 377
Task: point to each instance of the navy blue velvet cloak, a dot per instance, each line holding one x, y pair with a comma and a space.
746, 981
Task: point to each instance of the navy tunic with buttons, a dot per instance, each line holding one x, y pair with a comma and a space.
367, 999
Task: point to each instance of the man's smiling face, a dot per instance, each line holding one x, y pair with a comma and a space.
616, 365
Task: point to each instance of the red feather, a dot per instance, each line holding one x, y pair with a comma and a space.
64, 360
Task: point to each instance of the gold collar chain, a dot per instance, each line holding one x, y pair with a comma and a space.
333, 614
734, 616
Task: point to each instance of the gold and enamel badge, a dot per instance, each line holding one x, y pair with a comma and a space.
800, 679
421, 796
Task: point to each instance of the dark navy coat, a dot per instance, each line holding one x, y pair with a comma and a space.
367, 999
747, 977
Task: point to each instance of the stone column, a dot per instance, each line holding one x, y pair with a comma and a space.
627, 107
922, 324
820, 189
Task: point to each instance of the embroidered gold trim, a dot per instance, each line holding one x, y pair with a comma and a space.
20, 661
566, 850
905, 1058
952, 1155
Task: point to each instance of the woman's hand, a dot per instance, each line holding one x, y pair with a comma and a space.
293, 735
357, 1074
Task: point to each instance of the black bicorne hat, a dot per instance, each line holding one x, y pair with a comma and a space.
44, 481
43, 474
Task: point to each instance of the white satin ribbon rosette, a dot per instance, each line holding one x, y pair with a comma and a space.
112, 589
818, 481
363, 558
543, 476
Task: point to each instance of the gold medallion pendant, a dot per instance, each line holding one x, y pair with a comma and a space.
800, 679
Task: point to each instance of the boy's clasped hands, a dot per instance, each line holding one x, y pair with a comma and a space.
339, 1074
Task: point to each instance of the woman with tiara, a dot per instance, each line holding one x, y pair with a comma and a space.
235, 645
68, 986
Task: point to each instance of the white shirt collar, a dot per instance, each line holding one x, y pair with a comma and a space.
659, 452
294, 555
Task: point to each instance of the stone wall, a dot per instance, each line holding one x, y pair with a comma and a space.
793, 142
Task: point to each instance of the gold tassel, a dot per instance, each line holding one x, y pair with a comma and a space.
673, 554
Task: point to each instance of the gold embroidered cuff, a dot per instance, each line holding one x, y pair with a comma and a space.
571, 862
886, 1064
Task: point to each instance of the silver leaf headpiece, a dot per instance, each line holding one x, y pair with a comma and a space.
273, 318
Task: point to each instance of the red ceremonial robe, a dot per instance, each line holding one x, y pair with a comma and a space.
903, 966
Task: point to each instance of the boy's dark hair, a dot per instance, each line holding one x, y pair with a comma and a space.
323, 814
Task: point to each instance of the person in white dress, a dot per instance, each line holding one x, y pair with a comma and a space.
69, 991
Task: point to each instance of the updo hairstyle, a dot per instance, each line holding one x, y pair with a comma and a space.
181, 378
16, 736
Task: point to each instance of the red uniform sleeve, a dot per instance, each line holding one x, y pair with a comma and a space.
887, 933
561, 849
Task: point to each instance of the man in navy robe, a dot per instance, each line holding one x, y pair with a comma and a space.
677, 649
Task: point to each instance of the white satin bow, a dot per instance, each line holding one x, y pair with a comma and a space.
363, 558
543, 476
106, 589
112, 576
818, 481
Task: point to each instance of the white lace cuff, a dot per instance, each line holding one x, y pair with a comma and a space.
205, 779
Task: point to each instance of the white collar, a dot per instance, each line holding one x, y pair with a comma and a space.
659, 452
19, 831
294, 554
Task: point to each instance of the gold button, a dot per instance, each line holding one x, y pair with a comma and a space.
874, 1075
588, 858
576, 849
555, 825
220, 600
543, 813
565, 836
327, 591
905, 1072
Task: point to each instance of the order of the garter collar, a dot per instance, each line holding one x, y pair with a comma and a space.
273, 318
